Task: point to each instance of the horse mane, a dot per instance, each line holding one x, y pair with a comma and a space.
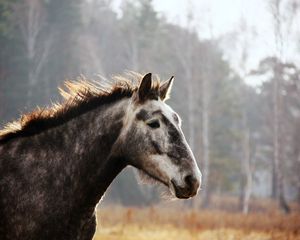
79, 96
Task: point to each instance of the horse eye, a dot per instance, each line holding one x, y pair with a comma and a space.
153, 124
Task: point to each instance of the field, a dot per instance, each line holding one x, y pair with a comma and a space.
161, 223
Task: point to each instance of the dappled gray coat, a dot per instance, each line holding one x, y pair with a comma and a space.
56, 164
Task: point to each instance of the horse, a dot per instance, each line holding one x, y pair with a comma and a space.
57, 162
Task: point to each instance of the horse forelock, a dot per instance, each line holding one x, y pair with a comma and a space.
79, 97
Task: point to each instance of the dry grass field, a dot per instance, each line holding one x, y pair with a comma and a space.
161, 223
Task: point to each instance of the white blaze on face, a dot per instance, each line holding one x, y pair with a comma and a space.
171, 170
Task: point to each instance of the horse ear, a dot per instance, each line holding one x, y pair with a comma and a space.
165, 89
145, 87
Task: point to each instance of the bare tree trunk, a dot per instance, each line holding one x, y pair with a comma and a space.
298, 179
247, 165
277, 105
206, 139
274, 181
277, 157
248, 168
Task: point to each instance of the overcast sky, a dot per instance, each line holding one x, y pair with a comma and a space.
217, 18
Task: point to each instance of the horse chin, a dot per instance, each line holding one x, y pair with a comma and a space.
147, 178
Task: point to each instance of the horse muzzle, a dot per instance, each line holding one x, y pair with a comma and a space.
188, 189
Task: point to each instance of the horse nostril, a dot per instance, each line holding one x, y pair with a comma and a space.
191, 181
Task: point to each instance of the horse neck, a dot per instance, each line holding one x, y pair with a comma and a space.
93, 139
83, 152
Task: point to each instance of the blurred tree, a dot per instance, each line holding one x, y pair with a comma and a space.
225, 116
6, 43
64, 24
30, 18
101, 45
291, 126
140, 24
11, 68
274, 93
246, 155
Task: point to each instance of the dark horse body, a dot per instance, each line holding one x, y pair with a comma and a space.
52, 191
55, 169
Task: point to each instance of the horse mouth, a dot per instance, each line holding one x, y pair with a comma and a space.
178, 191
182, 192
